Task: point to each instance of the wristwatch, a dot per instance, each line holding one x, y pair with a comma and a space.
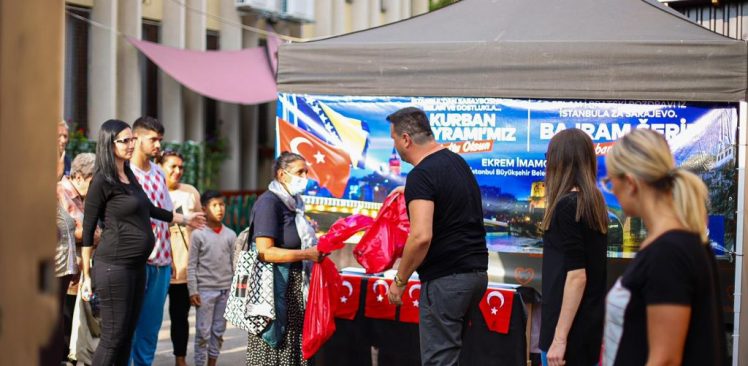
399, 282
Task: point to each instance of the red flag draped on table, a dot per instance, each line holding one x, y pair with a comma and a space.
328, 165
377, 305
383, 243
348, 301
410, 307
496, 307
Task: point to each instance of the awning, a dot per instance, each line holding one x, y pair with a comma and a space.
560, 49
243, 76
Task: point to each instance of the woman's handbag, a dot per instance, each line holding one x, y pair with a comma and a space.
251, 303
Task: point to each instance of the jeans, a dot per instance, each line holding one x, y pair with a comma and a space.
120, 292
179, 309
544, 359
446, 304
210, 325
145, 338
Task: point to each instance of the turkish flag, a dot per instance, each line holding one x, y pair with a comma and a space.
328, 165
410, 307
350, 288
377, 304
496, 307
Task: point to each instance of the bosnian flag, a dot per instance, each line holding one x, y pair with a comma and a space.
321, 120
328, 165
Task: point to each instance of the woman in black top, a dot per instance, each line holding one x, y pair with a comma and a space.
116, 199
665, 309
574, 253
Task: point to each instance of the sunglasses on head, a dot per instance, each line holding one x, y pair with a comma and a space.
171, 152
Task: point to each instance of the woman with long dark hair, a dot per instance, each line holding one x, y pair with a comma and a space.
665, 309
575, 227
117, 200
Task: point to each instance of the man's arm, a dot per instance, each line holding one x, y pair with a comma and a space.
417, 245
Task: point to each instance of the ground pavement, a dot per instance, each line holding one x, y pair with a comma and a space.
234, 344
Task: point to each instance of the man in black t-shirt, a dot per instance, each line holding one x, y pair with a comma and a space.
447, 240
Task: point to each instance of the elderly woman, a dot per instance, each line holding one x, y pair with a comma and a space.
285, 238
116, 199
186, 200
71, 191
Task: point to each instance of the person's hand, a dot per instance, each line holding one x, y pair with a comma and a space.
86, 292
398, 189
395, 294
195, 300
556, 353
78, 233
196, 220
315, 255
60, 164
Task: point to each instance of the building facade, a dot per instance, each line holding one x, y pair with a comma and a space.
106, 77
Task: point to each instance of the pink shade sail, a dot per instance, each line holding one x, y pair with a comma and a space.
243, 76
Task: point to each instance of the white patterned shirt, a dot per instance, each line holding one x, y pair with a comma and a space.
153, 182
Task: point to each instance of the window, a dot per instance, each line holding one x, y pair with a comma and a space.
149, 96
212, 129
75, 109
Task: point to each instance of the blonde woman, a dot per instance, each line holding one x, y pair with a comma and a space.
186, 200
574, 253
665, 309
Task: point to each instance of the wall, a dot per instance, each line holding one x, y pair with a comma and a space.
31, 67
728, 18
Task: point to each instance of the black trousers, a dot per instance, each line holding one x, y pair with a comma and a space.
56, 349
120, 291
179, 308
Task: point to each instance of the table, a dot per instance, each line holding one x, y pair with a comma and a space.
397, 343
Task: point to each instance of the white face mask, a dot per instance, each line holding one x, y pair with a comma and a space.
297, 185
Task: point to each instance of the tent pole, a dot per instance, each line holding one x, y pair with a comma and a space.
737, 357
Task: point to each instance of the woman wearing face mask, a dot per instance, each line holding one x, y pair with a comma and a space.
285, 238
665, 309
186, 200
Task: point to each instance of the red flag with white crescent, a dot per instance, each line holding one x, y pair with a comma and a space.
328, 165
350, 288
377, 304
496, 307
410, 308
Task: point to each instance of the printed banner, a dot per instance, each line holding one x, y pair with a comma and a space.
504, 141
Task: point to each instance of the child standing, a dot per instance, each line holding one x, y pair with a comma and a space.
209, 271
